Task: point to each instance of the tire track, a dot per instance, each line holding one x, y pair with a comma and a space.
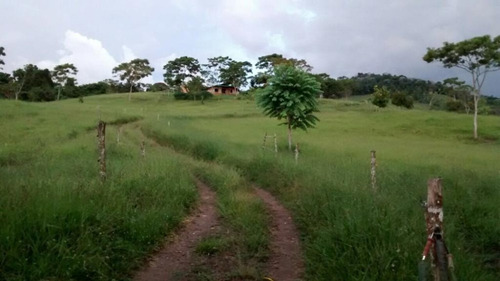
174, 259
285, 261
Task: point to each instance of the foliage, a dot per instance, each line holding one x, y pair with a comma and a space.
268, 63
180, 70
201, 95
402, 99
61, 74
291, 95
33, 84
381, 97
478, 56
2, 53
133, 71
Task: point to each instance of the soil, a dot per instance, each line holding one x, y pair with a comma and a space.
285, 260
175, 258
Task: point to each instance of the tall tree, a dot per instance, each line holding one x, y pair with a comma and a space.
212, 70
291, 95
133, 71
2, 54
61, 74
180, 70
478, 56
267, 64
33, 83
236, 73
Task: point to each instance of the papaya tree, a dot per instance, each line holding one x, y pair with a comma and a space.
291, 96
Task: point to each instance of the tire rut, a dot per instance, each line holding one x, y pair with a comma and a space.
174, 259
285, 261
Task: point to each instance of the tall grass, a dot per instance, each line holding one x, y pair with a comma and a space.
351, 232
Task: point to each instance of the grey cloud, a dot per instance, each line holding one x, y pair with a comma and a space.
337, 37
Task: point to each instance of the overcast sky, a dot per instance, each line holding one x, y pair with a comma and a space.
339, 37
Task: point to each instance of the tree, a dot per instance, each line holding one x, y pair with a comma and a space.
34, 84
180, 70
381, 97
291, 95
224, 70
236, 73
61, 74
2, 54
478, 56
212, 70
133, 71
267, 64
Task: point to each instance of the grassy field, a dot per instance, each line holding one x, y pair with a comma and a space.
59, 221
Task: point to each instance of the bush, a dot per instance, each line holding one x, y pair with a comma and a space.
380, 97
202, 95
401, 99
454, 105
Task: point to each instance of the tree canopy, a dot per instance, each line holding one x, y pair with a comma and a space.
61, 74
180, 70
133, 71
478, 56
291, 95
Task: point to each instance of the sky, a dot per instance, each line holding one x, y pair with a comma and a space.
338, 37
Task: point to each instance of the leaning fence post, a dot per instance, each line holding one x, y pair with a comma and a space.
296, 153
373, 169
275, 144
143, 149
264, 141
101, 141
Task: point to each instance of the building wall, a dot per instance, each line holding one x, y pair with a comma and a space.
216, 91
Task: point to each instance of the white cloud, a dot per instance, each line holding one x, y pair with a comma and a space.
93, 60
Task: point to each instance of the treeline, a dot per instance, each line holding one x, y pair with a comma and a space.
33, 84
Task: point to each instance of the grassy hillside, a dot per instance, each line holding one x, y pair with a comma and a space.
50, 189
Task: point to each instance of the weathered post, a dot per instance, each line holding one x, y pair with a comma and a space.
264, 141
158, 117
434, 220
119, 130
169, 123
297, 153
275, 144
101, 140
373, 170
143, 149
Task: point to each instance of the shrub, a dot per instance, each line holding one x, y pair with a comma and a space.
401, 99
380, 97
202, 95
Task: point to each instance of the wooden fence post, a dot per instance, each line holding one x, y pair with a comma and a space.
143, 149
296, 153
118, 134
275, 144
434, 217
101, 140
264, 141
373, 169
158, 117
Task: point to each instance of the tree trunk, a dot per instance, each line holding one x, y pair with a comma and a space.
289, 133
130, 93
476, 101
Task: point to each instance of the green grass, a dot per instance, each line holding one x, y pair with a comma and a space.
348, 231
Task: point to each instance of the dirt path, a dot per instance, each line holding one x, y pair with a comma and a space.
175, 258
285, 261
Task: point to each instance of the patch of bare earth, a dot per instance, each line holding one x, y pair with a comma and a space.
175, 259
285, 260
